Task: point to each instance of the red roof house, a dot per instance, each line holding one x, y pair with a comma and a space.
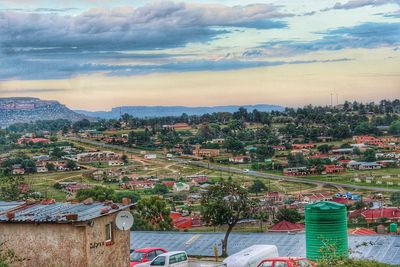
362, 231
285, 226
373, 215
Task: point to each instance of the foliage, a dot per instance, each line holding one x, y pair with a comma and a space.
257, 187
8, 256
290, 215
9, 188
369, 155
160, 189
152, 214
395, 198
395, 128
98, 193
133, 196
226, 203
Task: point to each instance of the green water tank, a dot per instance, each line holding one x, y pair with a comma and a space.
326, 230
393, 228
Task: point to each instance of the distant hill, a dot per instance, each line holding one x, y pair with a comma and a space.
163, 111
29, 109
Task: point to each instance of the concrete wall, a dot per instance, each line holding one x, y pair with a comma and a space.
59, 245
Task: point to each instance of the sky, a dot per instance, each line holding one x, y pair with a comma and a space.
98, 54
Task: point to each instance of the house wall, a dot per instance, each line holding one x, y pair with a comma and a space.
101, 254
45, 244
64, 245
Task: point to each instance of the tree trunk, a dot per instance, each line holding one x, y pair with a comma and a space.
225, 241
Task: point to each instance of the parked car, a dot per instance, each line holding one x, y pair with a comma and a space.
145, 255
251, 256
169, 259
178, 259
287, 262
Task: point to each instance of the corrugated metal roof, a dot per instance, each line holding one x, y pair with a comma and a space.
381, 248
55, 212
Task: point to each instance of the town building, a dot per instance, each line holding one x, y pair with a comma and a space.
103, 156
64, 234
180, 187
303, 146
332, 169
239, 159
205, 153
299, 171
150, 156
373, 215
24, 140
177, 126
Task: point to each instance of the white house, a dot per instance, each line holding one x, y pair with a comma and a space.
181, 187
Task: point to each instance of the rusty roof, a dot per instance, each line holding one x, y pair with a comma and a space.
58, 212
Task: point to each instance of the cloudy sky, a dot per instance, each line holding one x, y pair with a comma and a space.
94, 54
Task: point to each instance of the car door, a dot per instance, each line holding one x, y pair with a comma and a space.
159, 261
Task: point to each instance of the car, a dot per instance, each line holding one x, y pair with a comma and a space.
169, 259
286, 262
145, 255
246, 170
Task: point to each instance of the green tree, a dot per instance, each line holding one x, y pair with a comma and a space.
160, 189
369, 155
71, 165
290, 215
133, 196
257, 187
395, 198
9, 188
97, 193
395, 128
152, 214
226, 203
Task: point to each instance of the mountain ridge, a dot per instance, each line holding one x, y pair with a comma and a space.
30, 109
163, 111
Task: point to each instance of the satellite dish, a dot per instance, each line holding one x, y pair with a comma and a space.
124, 220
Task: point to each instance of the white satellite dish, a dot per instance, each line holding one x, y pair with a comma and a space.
124, 220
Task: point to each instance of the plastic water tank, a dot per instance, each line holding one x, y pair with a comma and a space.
393, 228
326, 230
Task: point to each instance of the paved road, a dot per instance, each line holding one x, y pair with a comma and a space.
250, 173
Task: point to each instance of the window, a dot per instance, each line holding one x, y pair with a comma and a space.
303, 263
151, 255
280, 264
109, 236
266, 264
178, 258
159, 252
159, 261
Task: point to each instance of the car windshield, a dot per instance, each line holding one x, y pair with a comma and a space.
137, 256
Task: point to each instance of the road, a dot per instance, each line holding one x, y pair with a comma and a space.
249, 173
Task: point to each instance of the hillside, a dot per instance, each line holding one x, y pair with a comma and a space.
28, 109
163, 111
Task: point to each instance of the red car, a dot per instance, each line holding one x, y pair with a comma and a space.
287, 262
145, 255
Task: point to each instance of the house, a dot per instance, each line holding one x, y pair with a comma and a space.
331, 169
150, 156
315, 197
17, 169
180, 187
169, 184
342, 151
177, 126
355, 165
103, 156
218, 141
279, 148
299, 171
303, 146
138, 184
113, 163
274, 196
25, 140
73, 188
48, 233
205, 153
196, 180
373, 215
286, 227
41, 169
239, 159
368, 140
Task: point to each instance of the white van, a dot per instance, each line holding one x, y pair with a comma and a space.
169, 259
251, 256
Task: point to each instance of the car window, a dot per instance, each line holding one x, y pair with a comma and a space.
177, 258
280, 264
151, 255
266, 264
137, 256
302, 263
159, 252
159, 261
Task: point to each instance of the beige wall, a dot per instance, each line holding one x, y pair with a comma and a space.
59, 245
